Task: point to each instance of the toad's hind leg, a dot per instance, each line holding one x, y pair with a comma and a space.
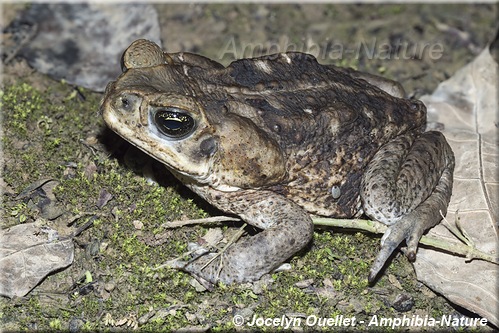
286, 229
407, 186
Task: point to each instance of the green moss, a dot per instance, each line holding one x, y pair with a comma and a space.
19, 102
55, 324
20, 211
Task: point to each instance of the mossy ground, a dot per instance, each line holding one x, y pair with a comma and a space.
52, 130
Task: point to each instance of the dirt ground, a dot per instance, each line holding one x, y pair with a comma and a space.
52, 130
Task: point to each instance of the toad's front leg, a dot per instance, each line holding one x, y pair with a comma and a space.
286, 229
408, 186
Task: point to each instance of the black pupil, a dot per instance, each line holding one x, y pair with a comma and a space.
173, 123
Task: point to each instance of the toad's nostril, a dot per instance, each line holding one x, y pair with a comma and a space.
125, 102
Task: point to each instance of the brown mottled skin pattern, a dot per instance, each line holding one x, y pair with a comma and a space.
275, 138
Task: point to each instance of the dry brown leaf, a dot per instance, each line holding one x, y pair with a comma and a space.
28, 254
467, 104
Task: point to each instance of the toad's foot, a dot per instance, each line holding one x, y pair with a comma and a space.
411, 227
408, 186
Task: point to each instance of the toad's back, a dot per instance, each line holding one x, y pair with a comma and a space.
328, 123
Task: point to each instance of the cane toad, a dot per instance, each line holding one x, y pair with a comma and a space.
276, 138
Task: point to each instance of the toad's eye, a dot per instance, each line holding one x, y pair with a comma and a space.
174, 123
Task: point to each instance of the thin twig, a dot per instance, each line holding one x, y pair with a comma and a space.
168, 263
455, 230
215, 219
232, 240
467, 250
365, 225
376, 227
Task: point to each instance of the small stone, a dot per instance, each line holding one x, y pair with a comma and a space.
403, 303
190, 317
264, 283
145, 317
283, 268
104, 197
245, 312
75, 324
92, 140
304, 283
394, 281
109, 286
198, 286
138, 224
